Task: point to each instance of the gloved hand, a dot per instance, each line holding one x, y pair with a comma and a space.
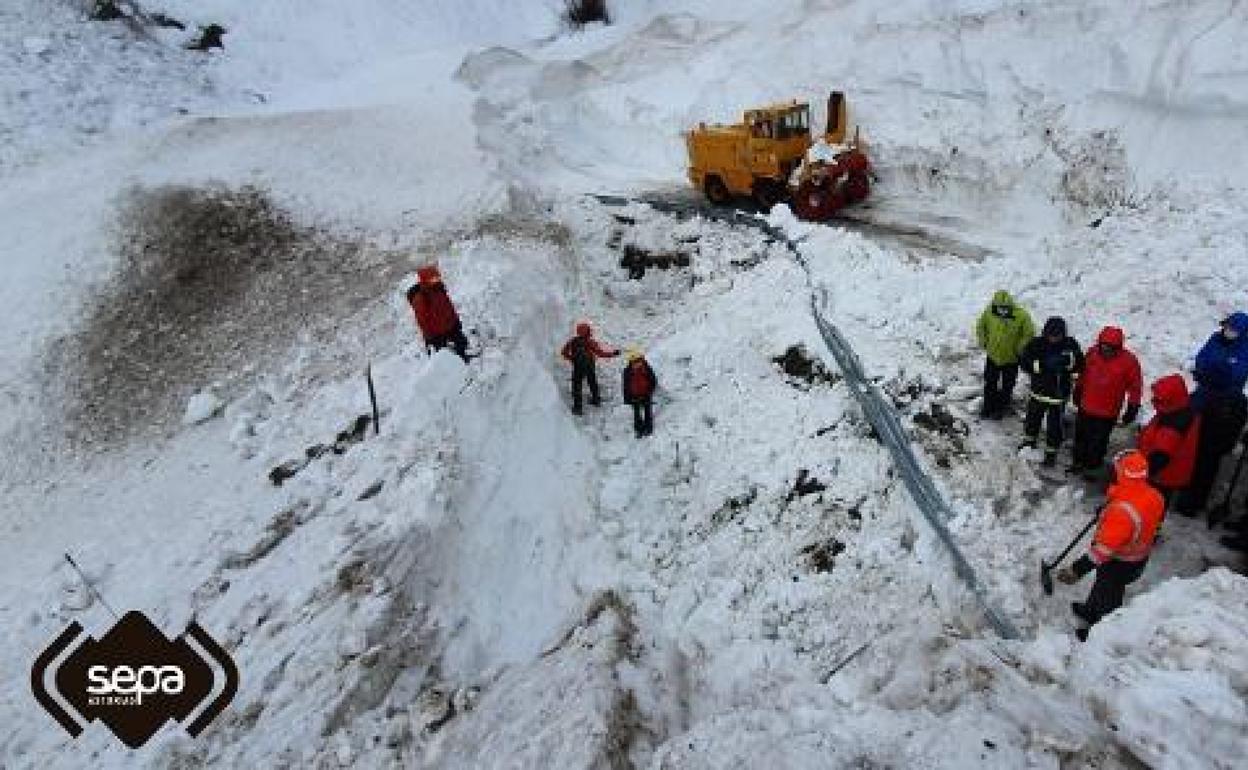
1067, 576
1132, 411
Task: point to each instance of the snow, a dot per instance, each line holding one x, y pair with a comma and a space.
201, 407
484, 580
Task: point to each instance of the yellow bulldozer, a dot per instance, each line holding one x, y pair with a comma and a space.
758, 157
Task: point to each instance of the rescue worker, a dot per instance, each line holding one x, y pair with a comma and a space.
1169, 440
639, 384
1124, 538
1052, 360
1111, 375
1223, 412
435, 313
1228, 344
583, 352
1003, 330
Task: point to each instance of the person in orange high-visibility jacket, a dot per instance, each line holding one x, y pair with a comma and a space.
1124, 538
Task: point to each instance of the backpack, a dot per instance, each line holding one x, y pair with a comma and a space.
638, 381
582, 358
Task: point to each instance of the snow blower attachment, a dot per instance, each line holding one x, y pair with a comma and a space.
770, 156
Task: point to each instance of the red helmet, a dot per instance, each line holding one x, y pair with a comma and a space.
583, 329
429, 275
1130, 465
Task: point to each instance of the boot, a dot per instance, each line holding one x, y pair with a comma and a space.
1082, 634
1082, 612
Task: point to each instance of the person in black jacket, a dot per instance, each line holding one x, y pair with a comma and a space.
638, 388
1053, 361
1224, 411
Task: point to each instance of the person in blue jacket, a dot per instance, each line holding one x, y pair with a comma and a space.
1228, 346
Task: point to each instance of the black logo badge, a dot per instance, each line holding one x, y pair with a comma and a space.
134, 679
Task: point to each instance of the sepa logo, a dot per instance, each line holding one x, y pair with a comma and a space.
134, 679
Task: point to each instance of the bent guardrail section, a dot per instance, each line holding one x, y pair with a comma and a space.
877, 409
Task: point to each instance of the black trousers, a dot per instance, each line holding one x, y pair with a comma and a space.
1204, 473
998, 386
1092, 439
454, 339
643, 417
1051, 415
580, 378
1112, 579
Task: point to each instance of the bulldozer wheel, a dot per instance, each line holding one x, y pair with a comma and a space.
716, 191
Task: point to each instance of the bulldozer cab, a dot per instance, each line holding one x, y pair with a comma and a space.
780, 123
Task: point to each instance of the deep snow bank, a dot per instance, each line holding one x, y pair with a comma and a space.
1001, 108
1169, 677
71, 83
375, 581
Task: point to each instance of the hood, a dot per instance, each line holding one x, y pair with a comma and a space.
1238, 322
1111, 335
429, 275
583, 329
1054, 327
1002, 297
1170, 393
1130, 466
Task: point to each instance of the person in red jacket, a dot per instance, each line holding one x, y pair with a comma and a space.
435, 313
1124, 538
1170, 439
638, 388
1111, 375
583, 352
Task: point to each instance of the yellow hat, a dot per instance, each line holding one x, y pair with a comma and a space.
634, 354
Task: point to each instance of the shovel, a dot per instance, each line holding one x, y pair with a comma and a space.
1219, 512
1046, 569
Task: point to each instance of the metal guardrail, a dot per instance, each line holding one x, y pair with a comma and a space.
929, 500
883, 418
879, 412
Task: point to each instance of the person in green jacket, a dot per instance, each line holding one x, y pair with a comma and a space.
1003, 330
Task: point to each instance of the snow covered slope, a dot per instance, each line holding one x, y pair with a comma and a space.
491, 582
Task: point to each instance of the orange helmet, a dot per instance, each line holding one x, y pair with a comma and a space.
1130, 465
583, 329
429, 275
